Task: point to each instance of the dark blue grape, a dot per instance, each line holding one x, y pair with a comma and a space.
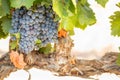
36, 23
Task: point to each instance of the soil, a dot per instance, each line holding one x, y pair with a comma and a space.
68, 67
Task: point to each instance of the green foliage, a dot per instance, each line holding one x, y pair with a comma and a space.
46, 50
71, 13
38, 41
14, 44
4, 7
19, 3
115, 28
2, 34
17, 35
6, 24
43, 2
85, 13
115, 23
57, 7
74, 14
118, 60
118, 5
102, 2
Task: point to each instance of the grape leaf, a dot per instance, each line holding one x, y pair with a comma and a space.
85, 14
118, 60
6, 24
46, 2
118, 5
60, 8
65, 11
17, 35
115, 23
78, 25
37, 41
2, 34
13, 45
43, 2
69, 7
19, 3
17, 59
83, 2
74, 2
102, 2
4, 7
68, 24
46, 50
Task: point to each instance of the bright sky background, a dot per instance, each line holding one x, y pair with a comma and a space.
97, 38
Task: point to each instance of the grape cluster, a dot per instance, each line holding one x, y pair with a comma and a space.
34, 24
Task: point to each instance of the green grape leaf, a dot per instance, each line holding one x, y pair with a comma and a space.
13, 45
46, 2
19, 3
67, 10
6, 24
78, 25
4, 7
69, 7
85, 14
37, 41
102, 2
38, 1
2, 34
118, 60
118, 5
60, 8
115, 23
46, 50
83, 2
43, 2
71, 32
17, 35
68, 24
74, 3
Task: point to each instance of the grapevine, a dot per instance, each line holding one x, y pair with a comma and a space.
36, 24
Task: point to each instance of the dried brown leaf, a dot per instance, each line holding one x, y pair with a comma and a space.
17, 59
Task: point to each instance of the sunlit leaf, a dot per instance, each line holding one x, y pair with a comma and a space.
6, 24
118, 60
67, 24
19, 3
85, 14
102, 2
43, 2
13, 45
46, 50
118, 5
38, 41
2, 34
60, 8
115, 23
4, 7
